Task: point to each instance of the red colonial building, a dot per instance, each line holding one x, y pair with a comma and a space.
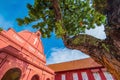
22, 57
84, 69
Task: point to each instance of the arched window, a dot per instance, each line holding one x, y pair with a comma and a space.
12, 74
48, 79
35, 77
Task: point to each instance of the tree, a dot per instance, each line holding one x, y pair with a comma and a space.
69, 18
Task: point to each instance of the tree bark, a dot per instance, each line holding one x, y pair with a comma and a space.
58, 15
106, 52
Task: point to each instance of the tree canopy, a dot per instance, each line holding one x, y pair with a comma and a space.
69, 18
76, 16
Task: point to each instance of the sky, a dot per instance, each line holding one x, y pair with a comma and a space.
54, 48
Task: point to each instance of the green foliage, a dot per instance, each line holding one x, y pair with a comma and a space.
85, 39
77, 15
106, 47
1, 29
78, 40
59, 31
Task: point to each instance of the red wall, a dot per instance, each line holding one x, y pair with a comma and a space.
22, 56
69, 76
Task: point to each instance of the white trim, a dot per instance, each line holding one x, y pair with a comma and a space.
108, 75
63, 77
97, 76
75, 76
84, 76
35, 40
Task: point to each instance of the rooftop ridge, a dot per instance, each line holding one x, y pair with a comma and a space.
74, 65
70, 61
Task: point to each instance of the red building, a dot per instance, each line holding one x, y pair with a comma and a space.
22, 57
84, 69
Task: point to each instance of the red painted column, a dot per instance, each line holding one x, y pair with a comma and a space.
90, 75
69, 76
57, 76
79, 75
102, 75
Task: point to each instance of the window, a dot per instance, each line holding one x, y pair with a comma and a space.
96, 76
12, 74
84, 76
75, 76
35, 77
108, 76
63, 77
48, 79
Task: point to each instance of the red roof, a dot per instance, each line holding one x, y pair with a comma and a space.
74, 65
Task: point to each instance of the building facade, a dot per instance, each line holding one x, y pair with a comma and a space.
84, 69
22, 57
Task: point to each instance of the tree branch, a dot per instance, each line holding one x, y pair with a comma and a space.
83, 42
102, 51
56, 7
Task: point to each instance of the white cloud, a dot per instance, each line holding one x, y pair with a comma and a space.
63, 54
4, 23
98, 32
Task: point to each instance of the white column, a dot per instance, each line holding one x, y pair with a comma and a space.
108, 75
84, 76
63, 77
75, 76
96, 75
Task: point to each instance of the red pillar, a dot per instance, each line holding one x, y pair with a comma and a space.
102, 75
69, 76
90, 75
57, 76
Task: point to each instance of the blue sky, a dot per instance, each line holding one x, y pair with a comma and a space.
54, 48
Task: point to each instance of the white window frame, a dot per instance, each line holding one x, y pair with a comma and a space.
75, 76
63, 77
97, 76
84, 76
108, 76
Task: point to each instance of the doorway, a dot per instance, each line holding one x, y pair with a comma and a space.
12, 74
35, 77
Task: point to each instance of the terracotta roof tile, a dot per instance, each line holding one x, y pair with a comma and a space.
73, 65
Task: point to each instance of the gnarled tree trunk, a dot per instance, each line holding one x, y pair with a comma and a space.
105, 52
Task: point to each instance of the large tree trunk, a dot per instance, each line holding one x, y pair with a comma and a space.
105, 52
